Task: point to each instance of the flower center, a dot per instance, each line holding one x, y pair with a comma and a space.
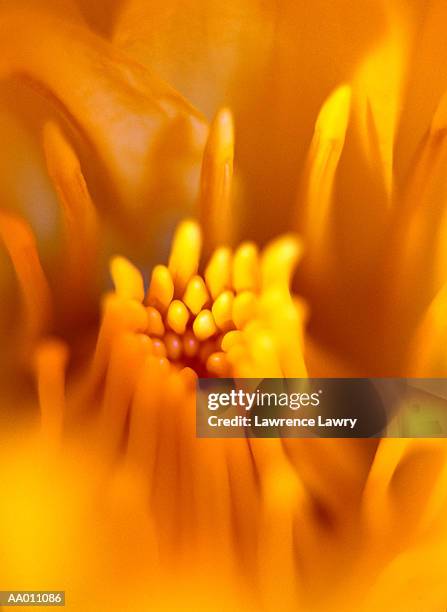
194, 319
235, 319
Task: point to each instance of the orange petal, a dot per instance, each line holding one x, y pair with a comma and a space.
127, 114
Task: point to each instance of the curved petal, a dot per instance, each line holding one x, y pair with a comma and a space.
125, 113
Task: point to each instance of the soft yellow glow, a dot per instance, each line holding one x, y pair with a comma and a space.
112, 496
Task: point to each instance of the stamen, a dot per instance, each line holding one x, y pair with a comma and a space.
155, 325
161, 289
174, 346
127, 357
190, 344
264, 353
279, 260
51, 360
208, 342
189, 378
177, 316
241, 361
204, 326
223, 311
286, 320
196, 295
231, 339
246, 273
218, 366
284, 498
127, 279
244, 308
185, 255
79, 213
159, 348
20, 243
119, 315
217, 173
218, 271
144, 416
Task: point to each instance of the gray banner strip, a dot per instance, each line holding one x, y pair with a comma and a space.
322, 408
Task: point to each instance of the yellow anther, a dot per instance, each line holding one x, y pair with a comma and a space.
155, 325
204, 326
196, 294
185, 254
127, 279
218, 271
177, 316
161, 289
246, 268
217, 364
279, 261
232, 338
244, 308
190, 344
222, 311
173, 346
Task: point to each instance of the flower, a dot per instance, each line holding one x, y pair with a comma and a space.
103, 479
